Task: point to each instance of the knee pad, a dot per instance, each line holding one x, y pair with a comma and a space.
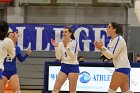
111, 90
17, 91
129, 91
55, 91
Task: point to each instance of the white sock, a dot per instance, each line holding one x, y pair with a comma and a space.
111, 90
18, 91
55, 91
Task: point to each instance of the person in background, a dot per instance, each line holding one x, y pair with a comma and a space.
117, 50
6, 47
67, 52
81, 59
10, 69
138, 58
104, 58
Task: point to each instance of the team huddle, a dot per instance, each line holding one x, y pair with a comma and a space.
66, 51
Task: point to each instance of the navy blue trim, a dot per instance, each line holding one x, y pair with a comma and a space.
123, 70
75, 47
1, 74
116, 44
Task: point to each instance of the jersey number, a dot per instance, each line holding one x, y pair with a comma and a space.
65, 54
8, 59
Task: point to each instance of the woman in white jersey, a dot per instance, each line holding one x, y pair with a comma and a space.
116, 50
6, 47
67, 52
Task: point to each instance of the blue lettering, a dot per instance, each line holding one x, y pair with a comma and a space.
101, 77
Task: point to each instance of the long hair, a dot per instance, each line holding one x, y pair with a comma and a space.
117, 27
3, 29
70, 31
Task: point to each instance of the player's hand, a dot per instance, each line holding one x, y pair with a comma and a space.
15, 37
29, 51
98, 44
54, 43
18, 34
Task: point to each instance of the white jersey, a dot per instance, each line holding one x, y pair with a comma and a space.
6, 47
69, 54
118, 51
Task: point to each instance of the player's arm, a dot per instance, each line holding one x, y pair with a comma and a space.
121, 44
73, 51
58, 48
20, 57
10, 48
58, 52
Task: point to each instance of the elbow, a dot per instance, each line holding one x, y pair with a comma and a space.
108, 56
73, 56
113, 56
21, 60
58, 57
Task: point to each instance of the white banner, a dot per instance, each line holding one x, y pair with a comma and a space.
92, 79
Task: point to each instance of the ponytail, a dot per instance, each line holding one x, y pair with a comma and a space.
3, 29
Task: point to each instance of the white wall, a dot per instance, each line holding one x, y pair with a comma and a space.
132, 19
15, 15
66, 14
75, 15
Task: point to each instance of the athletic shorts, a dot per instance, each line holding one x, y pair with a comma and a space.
123, 70
69, 68
0, 74
8, 74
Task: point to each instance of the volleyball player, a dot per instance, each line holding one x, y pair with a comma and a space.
67, 52
117, 50
6, 47
10, 69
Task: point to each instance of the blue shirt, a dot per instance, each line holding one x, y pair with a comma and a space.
10, 66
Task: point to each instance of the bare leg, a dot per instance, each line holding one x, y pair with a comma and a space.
5, 81
14, 80
125, 84
1, 86
59, 82
116, 81
73, 77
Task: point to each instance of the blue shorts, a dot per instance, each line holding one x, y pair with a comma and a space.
8, 74
0, 74
123, 70
69, 68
